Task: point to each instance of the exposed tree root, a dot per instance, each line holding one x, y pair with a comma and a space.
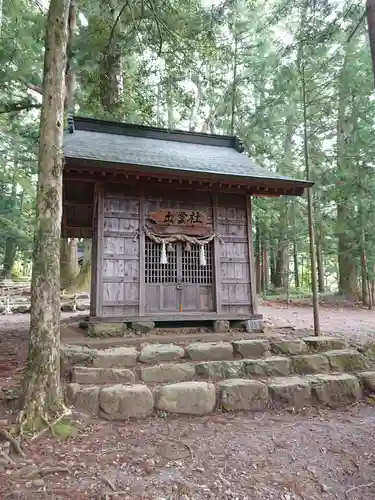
30, 421
16, 446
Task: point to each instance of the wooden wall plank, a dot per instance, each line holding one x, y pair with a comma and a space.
217, 254
142, 217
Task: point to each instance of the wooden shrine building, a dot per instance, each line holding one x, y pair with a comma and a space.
169, 214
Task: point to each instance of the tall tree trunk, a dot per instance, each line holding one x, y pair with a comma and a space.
295, 265
348, 277
9, 258
41, 389
258, 268
82, 281
68, 261
319, 262
265, 267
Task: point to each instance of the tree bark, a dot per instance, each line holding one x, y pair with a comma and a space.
42, 396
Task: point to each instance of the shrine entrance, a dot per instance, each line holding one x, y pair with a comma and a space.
182, 283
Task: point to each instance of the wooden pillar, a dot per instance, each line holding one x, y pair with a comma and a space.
217, 282
94, 253
249, 216
99, 253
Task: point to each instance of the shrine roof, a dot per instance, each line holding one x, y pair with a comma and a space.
158, 148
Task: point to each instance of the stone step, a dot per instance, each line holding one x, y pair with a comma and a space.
120, 401
105, 371
128, 357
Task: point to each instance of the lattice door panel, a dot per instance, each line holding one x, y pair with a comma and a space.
192, 270
155, 272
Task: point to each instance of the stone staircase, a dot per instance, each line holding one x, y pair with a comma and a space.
198, 377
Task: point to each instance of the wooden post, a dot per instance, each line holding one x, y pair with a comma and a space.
99, 254
310, 213
142, 216
249, 217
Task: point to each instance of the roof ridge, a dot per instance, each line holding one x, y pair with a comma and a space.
150, 132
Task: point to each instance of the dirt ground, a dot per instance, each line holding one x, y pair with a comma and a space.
313, 454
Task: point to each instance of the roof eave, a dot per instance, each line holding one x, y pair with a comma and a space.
297, 185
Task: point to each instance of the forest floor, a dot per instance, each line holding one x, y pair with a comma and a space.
312, 454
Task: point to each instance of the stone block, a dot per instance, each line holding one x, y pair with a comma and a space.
254, 325
292, 392
324, 343
71, 393
71, 355
257, 348
310, 363
221, 326
87, 400
104, 329
278, 366
242, 394
100, 376
165, 373
216, 370
268, 367
210, 351
347, 360
288, 347
335, 389
251, 367
368, 380
120, 402
156, 353
190, 398
116, 357
143, 326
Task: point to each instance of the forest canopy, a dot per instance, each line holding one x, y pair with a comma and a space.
233, 67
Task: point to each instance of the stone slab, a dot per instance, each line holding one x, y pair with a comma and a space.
156, 353
347, 360
288, 347
99, 376
119, 402
325, 343
336, 389
292, 392
189, 398
210, 351
167, 373
103, 329
368, 380
257, 348
116, 357
216, 370
242, 394
87, 400
310, 363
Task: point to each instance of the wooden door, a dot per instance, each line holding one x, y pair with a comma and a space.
182, 285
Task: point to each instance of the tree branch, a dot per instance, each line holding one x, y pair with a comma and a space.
18, 106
